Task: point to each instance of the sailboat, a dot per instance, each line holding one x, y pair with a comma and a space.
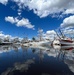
63, 41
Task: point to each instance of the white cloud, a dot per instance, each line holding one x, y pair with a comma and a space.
24, 22
19, 11
68, 26
4, 1
44, 8
40, 30
10, 19
20, 22
69, 31
2, 36
68, 22
50, 34
69, 11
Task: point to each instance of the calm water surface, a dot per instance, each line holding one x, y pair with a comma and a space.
15, 60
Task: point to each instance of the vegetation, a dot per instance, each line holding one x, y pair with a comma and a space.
33, 39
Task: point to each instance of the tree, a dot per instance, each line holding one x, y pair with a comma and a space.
33, 39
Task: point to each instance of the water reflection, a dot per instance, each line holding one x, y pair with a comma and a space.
25, 61
67, 55
4, 48
19, 67
7, 48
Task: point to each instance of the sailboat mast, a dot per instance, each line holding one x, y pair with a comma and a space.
61, 33
57, 34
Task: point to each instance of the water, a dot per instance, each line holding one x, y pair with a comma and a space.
16, 60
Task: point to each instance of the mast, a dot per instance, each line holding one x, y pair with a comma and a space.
40, 33
57, 34
61, 34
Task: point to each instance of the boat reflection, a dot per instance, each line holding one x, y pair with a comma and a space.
67, 55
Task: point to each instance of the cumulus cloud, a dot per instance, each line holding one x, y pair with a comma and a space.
2, 36
68, 31
68, 22
4, 1
44, 8
40, 30
25, 22
19, 22
69, 11
50, 34
10, 19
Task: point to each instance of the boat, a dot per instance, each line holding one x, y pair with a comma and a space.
63, 41
67, 42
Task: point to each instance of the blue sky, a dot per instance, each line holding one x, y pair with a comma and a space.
25, 17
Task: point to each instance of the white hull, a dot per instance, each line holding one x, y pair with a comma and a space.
56, 42
63, 43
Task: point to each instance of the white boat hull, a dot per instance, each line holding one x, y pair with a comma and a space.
63, 43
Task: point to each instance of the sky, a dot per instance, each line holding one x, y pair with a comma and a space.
23, 17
